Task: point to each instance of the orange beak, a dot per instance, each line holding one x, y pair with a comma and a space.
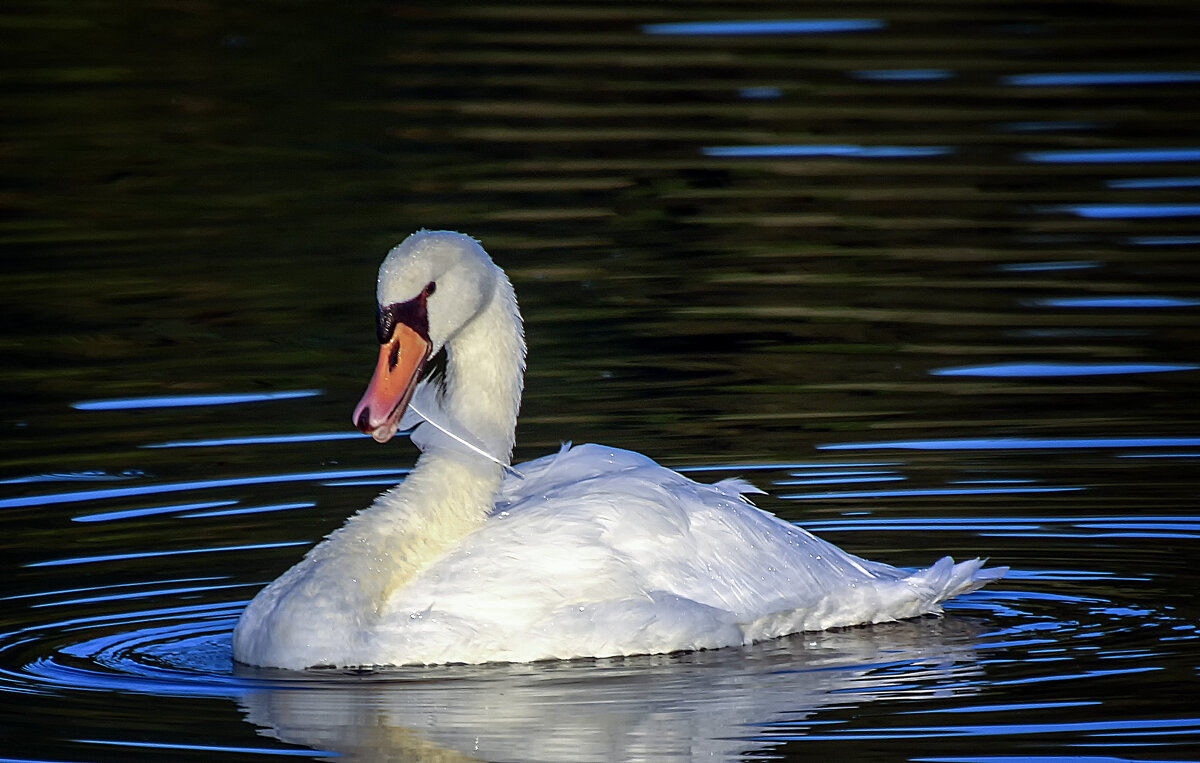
401, 360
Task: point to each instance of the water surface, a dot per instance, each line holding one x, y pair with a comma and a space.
925, 274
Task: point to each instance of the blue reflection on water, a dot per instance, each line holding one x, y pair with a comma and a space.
1124, 727
838, 150
107, 587
1019, 443
1138, 302
902, 75
144, 594
837, 480
108, 516
263, 440
1100, 78
1038, 759
1164, 240
1017, 370
1002, 708
776, 466
86, 476
360, 483
248, 510
922, 524
151, 554
1165, 523
786, 26
1113, 155
1125, 211
763, 93
922, 492
181, 401
1154, 183
845, 473
209, 748
848, 465
175, 487
1046, 126
1036, 267
188, 612
990, 525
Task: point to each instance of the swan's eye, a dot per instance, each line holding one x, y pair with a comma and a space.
411, 313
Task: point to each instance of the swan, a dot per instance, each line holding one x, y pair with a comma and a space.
592, 551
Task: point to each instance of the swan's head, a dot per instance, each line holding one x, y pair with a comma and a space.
430, 286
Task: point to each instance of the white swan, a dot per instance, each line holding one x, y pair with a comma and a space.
593, 551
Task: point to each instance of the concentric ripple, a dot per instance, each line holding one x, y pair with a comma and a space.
183, 650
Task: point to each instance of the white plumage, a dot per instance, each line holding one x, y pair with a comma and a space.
592, 551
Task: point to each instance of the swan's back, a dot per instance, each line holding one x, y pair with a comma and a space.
600, 551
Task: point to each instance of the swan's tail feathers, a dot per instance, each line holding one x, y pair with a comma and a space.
945, 579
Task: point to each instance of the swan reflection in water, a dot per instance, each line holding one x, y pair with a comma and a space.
712, 705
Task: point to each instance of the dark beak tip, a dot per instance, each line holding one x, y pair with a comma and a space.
364, 419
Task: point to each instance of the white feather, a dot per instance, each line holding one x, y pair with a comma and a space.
426, 408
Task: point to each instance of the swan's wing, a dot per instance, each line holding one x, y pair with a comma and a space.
602, 551
708, 544
660, 531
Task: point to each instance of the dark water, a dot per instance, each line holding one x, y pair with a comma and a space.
926, 272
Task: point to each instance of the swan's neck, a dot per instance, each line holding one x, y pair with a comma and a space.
485, 372
450, 491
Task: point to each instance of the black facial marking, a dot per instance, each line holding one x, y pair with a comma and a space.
412, 313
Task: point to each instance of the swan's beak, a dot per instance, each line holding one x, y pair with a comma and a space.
401, 360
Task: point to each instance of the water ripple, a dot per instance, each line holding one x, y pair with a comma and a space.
1026, 370
773, 27
903, 75
926, 492
152, 554
154, 746
1019, 443
843, 151
182, 401
176, 487
1144, 183
1132, 302
1125, 211
259, 440
1113, 155
1076, 79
